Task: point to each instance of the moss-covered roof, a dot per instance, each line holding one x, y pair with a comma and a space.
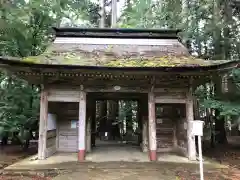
119, 56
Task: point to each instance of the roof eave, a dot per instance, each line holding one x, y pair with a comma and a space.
117, 33
17, 62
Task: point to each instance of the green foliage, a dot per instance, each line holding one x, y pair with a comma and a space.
227, 104
26, 30
226, 108
19, 106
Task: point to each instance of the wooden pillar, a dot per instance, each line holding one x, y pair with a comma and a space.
82, 125
42, 142
152, 127
190, 117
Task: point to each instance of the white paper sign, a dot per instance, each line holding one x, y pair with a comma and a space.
196, 128
52, 122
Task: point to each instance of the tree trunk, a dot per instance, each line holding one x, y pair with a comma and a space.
227, 10
211, 119
221, 135
129, 114
213, 140
4, 139
129, 120
102, 117
217, 32
220, 131
114, 14
102, 14
27, 141
3, 7
114, 129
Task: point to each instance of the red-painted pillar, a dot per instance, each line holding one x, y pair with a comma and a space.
152, 127
82, 126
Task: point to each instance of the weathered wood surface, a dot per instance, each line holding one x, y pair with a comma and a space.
67, 136
152, 125
167, 124
51, 142
51, 134
42, 143
63, 95
190, 117
171, 96
90, 77
170, 101
82, 121
165, 133
181, 132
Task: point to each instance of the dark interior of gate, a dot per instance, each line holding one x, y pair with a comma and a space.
116, 119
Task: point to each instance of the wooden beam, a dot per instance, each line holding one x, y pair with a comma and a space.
82, 125
42, 142
63, 95
123, 90
171, 90
170, 101
152, 127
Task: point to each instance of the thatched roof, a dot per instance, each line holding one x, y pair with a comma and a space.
118, 48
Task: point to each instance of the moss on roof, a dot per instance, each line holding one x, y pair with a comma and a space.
118, 56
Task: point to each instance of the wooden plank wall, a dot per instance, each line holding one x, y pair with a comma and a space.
51, 142
182, 136
164, 127
167, 117
67, 136
181, 130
